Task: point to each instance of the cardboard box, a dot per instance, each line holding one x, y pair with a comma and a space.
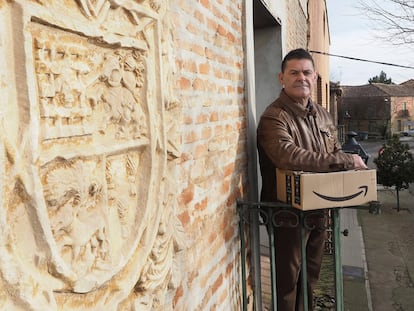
309, 191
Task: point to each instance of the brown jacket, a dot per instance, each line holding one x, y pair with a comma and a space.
291, 136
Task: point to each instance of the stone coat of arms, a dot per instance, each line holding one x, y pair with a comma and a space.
86, 211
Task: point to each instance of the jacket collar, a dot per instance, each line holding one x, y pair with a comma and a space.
296, 108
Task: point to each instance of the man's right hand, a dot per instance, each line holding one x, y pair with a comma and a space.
358, 162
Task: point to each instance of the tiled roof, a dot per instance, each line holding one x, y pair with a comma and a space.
408, 83
379, 89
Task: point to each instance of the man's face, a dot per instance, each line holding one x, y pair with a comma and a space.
298, 79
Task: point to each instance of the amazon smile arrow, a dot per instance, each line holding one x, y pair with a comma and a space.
344, 198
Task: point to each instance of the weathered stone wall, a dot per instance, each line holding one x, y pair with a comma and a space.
122, 154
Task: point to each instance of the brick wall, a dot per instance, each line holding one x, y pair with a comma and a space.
318, 24
209, 85
296, 26
402, 112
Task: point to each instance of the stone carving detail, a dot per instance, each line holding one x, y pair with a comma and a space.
95, 9
87, 190
159, 271
75, 199
81, 85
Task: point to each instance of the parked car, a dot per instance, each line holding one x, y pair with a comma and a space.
410, 132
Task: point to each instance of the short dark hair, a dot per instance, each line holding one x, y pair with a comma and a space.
297, 54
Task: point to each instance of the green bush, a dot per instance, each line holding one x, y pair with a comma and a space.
395, 166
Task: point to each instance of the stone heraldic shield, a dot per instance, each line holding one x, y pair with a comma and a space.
85, 189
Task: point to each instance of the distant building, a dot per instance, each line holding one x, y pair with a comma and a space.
377, 108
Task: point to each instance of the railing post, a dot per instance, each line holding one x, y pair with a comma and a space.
240, 208
255, 251
303, 262
272, 252
338, 262
255, 214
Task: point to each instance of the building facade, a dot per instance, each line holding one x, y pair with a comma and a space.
127, 135
378, 109
319, 44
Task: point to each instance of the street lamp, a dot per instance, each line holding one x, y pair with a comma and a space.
347, 118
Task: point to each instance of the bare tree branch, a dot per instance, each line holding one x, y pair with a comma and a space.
393, 20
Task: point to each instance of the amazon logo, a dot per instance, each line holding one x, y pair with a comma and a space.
364, 190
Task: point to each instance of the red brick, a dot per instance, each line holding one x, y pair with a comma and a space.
199, 16
209, 53
231, 37
228, 169
214, 116
212, 24
229, 233
225, 19
217, 283
218, 130
221, 30
185, 84
190, 137
187, 119
205, 3
236, 194
200, 151
199, 85
223, 296
229, 268
211, 87
204, 68
189, 66
192, 29
206, 133
197, 49
218, 73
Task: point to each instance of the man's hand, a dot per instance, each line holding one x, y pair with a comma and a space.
358, 162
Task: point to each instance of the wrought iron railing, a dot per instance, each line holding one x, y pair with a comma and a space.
253, 215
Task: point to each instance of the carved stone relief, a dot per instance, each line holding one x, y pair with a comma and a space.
87, 201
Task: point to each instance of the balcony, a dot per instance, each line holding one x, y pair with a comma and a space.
403, 113
255, 216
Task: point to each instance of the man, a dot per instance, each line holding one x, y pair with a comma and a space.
296, 134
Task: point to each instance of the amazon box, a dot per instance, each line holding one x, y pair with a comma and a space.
309, 191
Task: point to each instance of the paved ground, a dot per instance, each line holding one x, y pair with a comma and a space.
378, 255
389, 251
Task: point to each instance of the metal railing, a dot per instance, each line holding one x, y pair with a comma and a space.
253, 215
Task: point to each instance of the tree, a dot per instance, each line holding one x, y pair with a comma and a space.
392, 18
395, 166
382, 78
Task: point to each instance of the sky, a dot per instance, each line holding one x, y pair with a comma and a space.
352, 35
